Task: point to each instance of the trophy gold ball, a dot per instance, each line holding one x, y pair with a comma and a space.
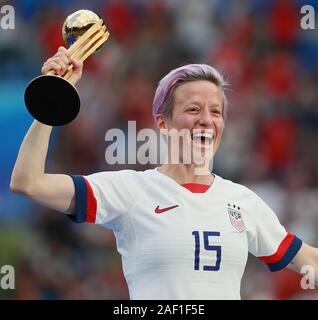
50, 98
76, 24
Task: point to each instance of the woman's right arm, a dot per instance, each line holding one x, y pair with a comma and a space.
29, 177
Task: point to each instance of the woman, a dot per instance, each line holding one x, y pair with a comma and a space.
183, 232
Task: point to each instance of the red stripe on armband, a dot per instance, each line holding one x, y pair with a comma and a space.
283, 247
91, 204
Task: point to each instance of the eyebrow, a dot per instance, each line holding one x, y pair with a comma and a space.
214, 105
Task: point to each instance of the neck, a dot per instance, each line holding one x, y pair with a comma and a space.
182, 173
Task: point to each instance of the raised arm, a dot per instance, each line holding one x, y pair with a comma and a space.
29, 177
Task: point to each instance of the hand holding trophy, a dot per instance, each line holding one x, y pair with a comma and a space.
51, 98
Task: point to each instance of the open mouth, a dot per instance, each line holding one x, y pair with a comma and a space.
202, 138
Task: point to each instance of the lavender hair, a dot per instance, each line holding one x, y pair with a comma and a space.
164, 96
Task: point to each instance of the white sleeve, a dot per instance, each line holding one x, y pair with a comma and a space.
103, 197
268, 239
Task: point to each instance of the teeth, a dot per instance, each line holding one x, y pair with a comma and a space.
207, 136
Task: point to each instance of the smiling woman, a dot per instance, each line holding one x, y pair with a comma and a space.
191, 99
181, 234
197, 112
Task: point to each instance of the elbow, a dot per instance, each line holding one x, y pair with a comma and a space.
20, 187
15, 187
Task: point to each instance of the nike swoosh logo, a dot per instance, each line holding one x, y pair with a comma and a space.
157, 210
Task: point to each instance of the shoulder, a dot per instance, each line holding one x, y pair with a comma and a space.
234, 188
240, 193
125, 176
246, 198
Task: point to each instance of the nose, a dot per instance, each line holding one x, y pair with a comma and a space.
205, 119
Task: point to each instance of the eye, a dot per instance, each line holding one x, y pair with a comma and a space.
193, 109
216, 111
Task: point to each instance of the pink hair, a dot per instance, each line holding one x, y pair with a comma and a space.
190, 72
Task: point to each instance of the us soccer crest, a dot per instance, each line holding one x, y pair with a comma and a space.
236, 217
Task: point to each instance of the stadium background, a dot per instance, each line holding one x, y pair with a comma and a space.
270, 141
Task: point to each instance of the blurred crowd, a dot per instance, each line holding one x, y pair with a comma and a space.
269, 143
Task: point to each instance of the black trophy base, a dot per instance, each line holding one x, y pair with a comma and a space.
52, 100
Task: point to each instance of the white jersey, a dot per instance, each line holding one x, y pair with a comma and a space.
176, 244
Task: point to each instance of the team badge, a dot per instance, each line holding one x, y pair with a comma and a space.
236, 217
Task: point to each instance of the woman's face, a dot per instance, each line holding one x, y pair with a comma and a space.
197, 113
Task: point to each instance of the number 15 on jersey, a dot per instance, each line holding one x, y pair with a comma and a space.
197, 250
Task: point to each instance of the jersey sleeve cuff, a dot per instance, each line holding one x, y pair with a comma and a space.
85, 201
284, 254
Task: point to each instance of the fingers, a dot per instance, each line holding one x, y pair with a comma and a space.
77, 65
58, 63
77, 71
64, 50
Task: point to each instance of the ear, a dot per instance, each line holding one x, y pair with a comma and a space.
161, 122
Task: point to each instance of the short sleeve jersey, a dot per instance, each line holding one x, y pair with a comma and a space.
177, 244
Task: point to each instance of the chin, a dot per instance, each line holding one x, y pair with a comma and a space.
202, 154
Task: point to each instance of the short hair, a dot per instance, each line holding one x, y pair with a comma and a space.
164, 97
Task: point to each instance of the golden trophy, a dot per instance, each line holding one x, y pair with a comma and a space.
51, 99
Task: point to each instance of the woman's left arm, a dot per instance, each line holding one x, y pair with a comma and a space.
306, 256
